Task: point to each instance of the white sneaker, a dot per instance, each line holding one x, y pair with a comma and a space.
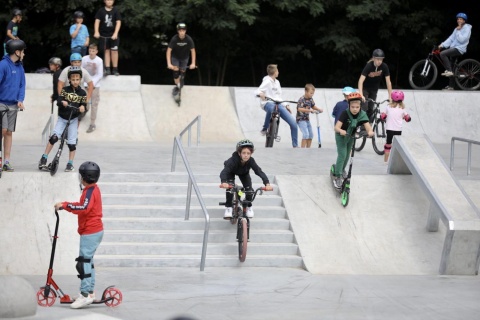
338, 183
228, 213
92, 295
250, 212
81, 302
447, 73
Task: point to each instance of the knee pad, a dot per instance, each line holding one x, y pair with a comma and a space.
388, 147
53, 139
80, 268
176, 74
72, 147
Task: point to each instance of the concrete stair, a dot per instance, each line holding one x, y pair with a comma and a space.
145, 226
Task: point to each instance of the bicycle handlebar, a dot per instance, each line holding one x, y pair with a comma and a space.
235, 189
377, 103
278, 101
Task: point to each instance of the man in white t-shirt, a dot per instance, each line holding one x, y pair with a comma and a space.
94, 65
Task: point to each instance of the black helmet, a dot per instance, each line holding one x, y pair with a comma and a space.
14, 45
181, 25
78, 14
378, 53
55, 60
16, 12
89, 171
244, 143
74, 70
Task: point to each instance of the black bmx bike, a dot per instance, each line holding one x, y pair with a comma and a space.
379, 132
239, 216
272, 130
424, 73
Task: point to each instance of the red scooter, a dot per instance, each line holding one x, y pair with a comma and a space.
47, 295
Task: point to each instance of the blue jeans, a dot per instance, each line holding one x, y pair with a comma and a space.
72, 129
286, 116
306, 128
88, 245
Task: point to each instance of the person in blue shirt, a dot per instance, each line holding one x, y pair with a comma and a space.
12, 93
455, 46
79, 34
342, 105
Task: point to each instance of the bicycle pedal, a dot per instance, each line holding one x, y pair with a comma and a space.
278, 138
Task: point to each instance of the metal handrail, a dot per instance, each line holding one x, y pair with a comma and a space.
197, 120
177, 144
48, 129
469, 158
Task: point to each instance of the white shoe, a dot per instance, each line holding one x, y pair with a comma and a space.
250, 212
338, 183
228, 213
447, 73
81, 302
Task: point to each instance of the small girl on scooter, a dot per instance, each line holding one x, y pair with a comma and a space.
90, 229
345, 128
240, 164
394, 116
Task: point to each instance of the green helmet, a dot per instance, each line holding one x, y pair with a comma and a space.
244, 143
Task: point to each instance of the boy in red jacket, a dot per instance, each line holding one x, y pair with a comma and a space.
90, 228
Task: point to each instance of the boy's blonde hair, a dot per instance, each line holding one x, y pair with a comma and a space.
399, 104
271, 69
309, 87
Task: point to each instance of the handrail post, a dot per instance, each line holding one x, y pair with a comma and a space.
452, 153
189, 198
174, 155
189, 136
199, 125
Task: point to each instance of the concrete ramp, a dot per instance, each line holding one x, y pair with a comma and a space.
381, 231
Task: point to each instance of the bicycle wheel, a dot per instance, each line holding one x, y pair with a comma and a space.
242, 239
467, 74
379, 137
272, 129
359, 147
423, 80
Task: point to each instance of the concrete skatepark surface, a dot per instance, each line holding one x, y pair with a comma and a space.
362, 263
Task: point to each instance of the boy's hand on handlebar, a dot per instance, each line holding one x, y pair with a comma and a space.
370, 133
192, 66
268, 188
81, 109
21, 105
58, 206
65, 103
225, 185
343, 132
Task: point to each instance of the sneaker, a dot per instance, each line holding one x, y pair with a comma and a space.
92, 296
250, 212
175, 90
263, 132
91, 128
344, 174
447, 73
42, 164
8, 167
338, 182
228, 213
115, 72
69, 167
81, 302
107, 71
448, 88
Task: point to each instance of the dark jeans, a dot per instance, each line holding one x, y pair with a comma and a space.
247, 184
368, 106
447, 56
81, 50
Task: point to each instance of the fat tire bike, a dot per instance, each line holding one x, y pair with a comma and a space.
239, 216
379, 132
424, 73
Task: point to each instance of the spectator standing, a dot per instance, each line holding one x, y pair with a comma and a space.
12, 27
108, 21
94, 65
79, 34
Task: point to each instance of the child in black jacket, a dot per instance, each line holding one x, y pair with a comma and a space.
240, 164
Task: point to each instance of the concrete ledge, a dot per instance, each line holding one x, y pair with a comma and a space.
17, 298
43, 81
448, 201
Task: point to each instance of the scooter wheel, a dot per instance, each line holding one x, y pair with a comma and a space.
114, 297
44, 301
53, 167
345, 197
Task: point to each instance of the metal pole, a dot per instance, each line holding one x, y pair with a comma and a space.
174, 155
452, 153
199, 124
205, 241
189, 199
189, 136
469, 159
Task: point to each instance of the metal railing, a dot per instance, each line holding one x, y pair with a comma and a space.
177, 145
469, 158
48, 129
